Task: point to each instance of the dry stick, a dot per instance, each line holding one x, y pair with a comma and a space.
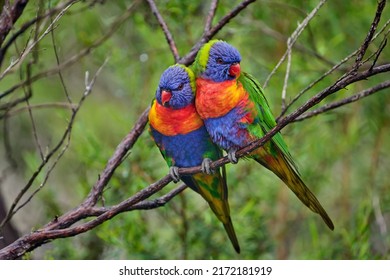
54, 44
287, 74
210, 16
297, 46
29, 89
294, 36
88, 89
64, 105
142, 205
378, 52
370, 34
9, 15
164, 27
347, 100
28, 94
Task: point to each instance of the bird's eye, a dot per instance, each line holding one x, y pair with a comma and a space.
180, 87
219, 60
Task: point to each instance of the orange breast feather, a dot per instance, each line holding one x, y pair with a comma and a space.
172, 122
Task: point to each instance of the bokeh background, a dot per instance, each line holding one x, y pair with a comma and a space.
343, 155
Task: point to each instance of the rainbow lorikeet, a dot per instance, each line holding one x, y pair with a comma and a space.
235, 112
183, 140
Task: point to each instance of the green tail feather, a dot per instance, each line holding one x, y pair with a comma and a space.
280, 165
232, 235
213, 189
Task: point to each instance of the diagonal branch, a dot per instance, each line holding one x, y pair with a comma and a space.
122, 149
190, 57
9, 15
347, 100
164, 27
370, 34
210, 16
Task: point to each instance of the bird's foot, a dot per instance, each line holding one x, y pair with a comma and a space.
232, 156
206, 168
174, 172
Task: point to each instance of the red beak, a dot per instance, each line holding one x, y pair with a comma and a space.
165, 97
235, 69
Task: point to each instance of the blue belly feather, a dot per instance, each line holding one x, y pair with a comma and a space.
227, 131
187, 150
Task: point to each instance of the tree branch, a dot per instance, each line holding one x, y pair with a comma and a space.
350, 99
9, 15
207, 36
164, 27
370, 34
210, 16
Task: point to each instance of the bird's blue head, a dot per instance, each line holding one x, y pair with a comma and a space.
176, 88
221, 61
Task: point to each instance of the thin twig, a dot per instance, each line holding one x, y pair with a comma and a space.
164, 27
287, 74
210, 16
64, 105
53, 42
143, 205
312, 84
294, 36
9, 15
30, 47
370, 34
28, 24
378, 52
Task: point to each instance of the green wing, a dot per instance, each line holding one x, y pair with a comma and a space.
264, 121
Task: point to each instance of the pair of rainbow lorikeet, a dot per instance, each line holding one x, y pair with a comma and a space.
213, 106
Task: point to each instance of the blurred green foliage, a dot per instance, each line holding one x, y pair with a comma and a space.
343, 155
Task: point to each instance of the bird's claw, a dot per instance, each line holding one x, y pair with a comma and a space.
174, 172
206, 168
232, 156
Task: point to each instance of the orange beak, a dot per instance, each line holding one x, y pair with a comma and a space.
165, 97
235, 69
